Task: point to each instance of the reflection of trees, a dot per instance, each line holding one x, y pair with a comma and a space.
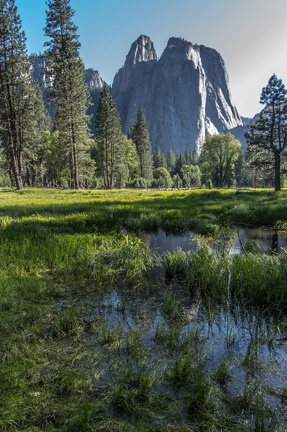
274, 245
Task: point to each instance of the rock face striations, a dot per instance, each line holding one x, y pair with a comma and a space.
184, 94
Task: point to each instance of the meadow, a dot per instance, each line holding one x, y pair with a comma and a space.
100, 333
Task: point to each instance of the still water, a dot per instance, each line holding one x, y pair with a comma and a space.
163, 323
253, 350
269, 240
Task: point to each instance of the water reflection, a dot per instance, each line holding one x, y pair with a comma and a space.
252, 348
269, 240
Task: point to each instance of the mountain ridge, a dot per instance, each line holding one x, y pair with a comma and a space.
184, 93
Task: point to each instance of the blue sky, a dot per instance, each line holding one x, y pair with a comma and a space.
251, 35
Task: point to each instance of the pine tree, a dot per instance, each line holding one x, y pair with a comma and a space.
159, 159
268, 135
140, 137
170, 161
109, 140
69, 93
35, 124
16, 88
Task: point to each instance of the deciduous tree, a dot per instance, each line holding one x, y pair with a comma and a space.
218, 157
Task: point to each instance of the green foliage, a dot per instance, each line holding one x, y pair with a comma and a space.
267, 137
159, 159
132, 162
140, 136
68, 93
217, 160
111, 151
170, 161
191, 176
17, 91
162, 178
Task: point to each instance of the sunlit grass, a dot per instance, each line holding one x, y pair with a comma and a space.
105, 210
65, 362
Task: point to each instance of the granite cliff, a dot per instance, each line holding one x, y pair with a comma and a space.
185, 93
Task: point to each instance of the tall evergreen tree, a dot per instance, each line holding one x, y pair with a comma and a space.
69, 93
16, 88
35, 124
109, 140
140, 136
159, 159
267, 138
170, 161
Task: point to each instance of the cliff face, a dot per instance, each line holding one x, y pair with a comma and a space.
95, 85
185, 94
92, 79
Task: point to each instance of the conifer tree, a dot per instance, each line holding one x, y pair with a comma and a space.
16, 89
140, 137
69, 93
109, 140
170, 161
267, 138
159, 159
34, 124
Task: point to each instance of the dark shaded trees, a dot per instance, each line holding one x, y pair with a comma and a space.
110, 150
170, 161
140, 136
267, 137
16, 106
159, 159
68, 93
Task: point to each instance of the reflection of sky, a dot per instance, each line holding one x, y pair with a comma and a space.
162, 242
225, 336
250, 35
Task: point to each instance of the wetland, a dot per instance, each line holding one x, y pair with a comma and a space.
143, 311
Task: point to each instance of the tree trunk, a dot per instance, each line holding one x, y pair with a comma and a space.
75, 168
277, 176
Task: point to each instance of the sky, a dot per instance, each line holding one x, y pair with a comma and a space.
250, 35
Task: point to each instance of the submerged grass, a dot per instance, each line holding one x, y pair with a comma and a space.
65, 368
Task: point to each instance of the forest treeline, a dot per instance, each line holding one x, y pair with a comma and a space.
59, 151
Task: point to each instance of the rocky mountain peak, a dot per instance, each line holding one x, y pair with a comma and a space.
178, 42
142, 50
185, 93
94, 80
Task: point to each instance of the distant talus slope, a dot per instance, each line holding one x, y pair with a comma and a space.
185, 93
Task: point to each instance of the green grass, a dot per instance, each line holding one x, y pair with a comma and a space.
67, 363
87, 211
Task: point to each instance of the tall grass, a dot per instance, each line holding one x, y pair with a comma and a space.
260, 281
67, 364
